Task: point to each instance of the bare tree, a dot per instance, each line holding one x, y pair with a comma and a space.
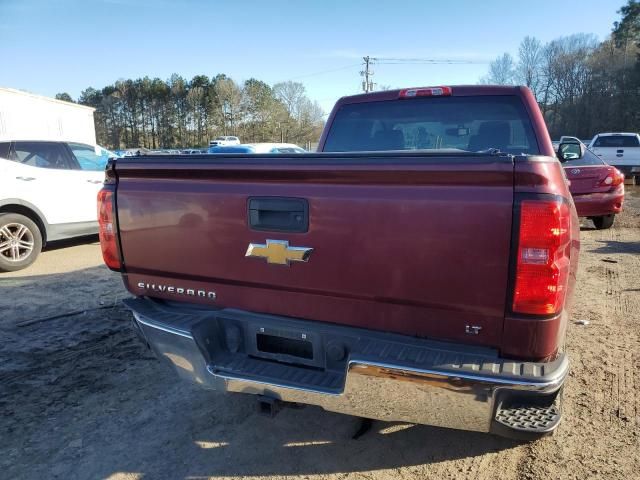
291, 94
501, 71
310, 117
528, 71
230, 98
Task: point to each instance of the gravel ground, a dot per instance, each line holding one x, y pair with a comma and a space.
81, 398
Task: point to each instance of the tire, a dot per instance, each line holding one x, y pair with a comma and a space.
603, 222
20, 242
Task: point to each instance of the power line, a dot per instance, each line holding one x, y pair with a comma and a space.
322, 72
367, 73
399, 61
433, 62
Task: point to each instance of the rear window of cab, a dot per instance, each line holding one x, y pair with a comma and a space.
616, 141
470, 124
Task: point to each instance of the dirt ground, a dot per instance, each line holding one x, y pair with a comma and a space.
80, 397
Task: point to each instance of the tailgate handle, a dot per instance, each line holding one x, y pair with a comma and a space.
278, 214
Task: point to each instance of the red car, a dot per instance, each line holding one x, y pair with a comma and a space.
597, 188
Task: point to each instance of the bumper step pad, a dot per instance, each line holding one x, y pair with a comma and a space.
530, 418
279, 374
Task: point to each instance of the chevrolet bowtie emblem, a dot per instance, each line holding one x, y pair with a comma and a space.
278, 252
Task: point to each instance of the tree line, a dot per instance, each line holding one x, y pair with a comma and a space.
154, 113
583, 86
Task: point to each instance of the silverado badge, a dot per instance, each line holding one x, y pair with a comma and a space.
278, 252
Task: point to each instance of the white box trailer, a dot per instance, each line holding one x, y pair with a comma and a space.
25, 116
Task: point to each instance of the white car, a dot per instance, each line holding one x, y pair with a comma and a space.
621, 150
48, 191
568, 139
276, 148
224, 140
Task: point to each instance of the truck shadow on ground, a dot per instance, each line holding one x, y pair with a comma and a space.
72, 242
614, 246
215, 435
272, 449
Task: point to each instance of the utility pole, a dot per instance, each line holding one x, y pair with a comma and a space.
367, 84
367, 73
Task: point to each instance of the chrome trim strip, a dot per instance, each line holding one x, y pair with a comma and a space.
552, 383
160, 326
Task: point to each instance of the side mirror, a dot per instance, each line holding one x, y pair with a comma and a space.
570, 151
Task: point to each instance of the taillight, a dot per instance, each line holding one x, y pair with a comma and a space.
613, 179
108, 230
542, 267
425, 92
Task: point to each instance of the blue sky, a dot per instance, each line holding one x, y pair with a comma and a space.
50, 46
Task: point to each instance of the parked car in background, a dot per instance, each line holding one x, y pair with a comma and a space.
224, 140
597, 188
258, 148
230, 149
135, 152
48, 191
566, 138
160, 151
621, 150
123, 153
92, 157
276, 148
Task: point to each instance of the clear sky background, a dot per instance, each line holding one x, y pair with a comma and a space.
51, 46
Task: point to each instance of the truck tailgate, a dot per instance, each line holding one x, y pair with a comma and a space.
409, 244
622, 156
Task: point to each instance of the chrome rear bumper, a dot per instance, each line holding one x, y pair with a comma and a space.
434, 385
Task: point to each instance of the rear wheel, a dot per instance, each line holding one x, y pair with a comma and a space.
20, 242
603, 222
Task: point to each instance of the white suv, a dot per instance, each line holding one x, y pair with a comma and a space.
48, 192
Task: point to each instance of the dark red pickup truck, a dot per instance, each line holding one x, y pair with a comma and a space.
418, 269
